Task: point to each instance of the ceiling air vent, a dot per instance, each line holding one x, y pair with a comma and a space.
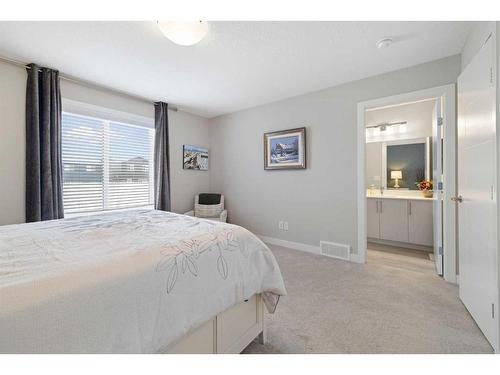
335, 250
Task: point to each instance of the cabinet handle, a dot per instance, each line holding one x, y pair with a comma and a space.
409, 207
380, 206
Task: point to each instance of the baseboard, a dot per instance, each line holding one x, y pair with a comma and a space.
356, 258
290, 244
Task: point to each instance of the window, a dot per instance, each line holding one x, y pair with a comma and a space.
107, 165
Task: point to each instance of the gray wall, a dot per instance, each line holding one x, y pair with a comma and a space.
188, 129
185, 128
320, 202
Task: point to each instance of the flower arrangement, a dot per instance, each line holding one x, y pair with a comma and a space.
424, 185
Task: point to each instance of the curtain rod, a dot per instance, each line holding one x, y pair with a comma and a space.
88, 83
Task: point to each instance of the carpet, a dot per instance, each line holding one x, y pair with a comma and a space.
395, 303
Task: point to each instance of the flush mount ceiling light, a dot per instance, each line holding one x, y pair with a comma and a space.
384, 43
184, 33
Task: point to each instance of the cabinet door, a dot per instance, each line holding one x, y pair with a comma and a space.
372, 219
420, 222
394, 220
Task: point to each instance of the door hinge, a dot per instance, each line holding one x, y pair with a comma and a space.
440, 121
440, 250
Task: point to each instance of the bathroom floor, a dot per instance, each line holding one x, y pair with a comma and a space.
399, 251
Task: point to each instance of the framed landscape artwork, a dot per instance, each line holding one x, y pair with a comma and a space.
195, 157
285, 149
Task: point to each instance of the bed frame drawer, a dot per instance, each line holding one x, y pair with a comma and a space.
199, 341
239, 325
229, 332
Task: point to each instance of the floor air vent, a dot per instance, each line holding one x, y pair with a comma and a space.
335, 250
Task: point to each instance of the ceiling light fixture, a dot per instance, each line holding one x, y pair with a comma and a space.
384, 43
184, 33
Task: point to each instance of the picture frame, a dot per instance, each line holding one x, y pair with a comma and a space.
285, 149
195, 157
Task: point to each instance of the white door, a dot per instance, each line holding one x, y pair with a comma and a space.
477, 192
437, 181
393, 220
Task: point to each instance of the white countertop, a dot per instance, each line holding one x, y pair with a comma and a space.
412, 197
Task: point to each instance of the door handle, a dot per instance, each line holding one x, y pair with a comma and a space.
458, 199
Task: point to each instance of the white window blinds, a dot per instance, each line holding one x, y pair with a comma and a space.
106, 165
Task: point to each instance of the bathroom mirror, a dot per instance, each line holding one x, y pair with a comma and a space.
409, 161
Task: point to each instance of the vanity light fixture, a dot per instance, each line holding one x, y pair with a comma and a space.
184, 33
384, 125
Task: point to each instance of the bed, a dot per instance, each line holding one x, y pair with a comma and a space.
138, 281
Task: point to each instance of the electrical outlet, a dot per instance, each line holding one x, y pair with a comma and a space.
285, 225
280, 225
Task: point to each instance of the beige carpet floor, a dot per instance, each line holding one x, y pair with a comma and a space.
392, 304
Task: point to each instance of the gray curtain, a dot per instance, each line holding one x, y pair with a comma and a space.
162, 158
43, 145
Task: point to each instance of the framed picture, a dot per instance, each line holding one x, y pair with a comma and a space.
195, 157
285, 149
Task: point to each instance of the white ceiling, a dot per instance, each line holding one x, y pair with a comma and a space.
238, 65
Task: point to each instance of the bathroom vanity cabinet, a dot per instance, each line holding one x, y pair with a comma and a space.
402, 220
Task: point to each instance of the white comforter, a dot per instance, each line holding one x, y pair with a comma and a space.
127, 282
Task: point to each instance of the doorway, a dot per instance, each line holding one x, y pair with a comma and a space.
403, 145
